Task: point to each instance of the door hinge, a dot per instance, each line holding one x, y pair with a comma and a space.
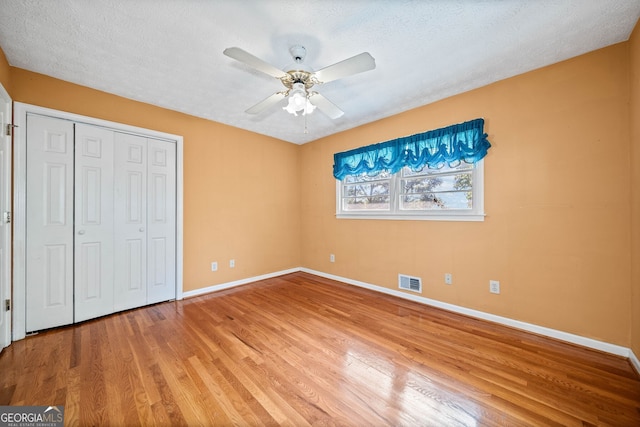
7, 305
9, 129
6, 217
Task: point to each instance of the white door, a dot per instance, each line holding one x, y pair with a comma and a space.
161, 221
5, 225
46, 263
130, 218
49, 225
93, 239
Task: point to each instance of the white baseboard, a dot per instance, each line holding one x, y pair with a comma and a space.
540, 330
634, 361
228, 285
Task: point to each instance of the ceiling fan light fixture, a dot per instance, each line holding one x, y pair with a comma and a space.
308, 109
298, 101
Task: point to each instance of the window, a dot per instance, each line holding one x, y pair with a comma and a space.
449, 193
437, 174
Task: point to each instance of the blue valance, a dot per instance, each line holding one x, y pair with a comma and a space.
464, 142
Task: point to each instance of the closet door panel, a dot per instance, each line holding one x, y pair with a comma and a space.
93, 238
101, 222
49, 225
130, 216
161, 221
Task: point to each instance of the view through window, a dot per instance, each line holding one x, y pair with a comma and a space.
448, 191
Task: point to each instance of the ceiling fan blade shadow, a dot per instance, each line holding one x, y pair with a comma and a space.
253, 61
326, 106
354, 65
266, 103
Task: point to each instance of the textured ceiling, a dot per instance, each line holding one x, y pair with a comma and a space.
169, 52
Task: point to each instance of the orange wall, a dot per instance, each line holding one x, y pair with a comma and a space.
556, 233
249, 215
5, 72
634, 47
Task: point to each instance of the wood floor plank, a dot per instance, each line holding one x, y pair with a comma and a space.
220, 392
301, 350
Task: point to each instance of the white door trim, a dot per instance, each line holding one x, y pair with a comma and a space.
19, 198
5, 280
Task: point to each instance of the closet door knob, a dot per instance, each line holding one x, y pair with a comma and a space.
141, 229
81, 232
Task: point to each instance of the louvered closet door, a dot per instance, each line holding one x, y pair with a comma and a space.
49, 225
130, 215
93, 243
161, 221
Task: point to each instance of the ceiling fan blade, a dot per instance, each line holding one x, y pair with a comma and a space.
266, 103
354, 65
253, 61
326, 106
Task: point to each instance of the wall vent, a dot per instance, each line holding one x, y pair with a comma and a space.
410, 283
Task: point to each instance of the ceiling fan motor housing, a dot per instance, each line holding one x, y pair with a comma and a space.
298, 76
298, 72
298, 52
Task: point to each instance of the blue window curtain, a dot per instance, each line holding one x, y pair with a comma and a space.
464, 142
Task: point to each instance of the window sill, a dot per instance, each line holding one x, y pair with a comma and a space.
415, 217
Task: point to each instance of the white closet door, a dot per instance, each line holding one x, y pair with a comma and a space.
49, 225
161, 221
130, 217
93, 222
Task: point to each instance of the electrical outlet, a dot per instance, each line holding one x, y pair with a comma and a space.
332, 258
448, 279
214, 266
232, 263
494, 286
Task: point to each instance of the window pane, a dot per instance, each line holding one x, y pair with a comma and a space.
365, 196
445, 169
460, 181
437, 201
366, 204
463, 181
421, 185
365, 178
369, 190
420, 202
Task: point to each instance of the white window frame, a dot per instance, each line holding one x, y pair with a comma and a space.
394, 213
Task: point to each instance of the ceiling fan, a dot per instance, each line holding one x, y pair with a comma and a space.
298, 80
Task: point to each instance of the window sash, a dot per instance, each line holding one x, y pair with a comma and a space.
475, 213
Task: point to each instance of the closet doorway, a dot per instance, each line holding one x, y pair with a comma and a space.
98, 218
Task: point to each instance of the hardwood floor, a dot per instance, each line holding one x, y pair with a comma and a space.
302, 350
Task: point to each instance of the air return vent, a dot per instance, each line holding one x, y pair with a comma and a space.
410, 283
